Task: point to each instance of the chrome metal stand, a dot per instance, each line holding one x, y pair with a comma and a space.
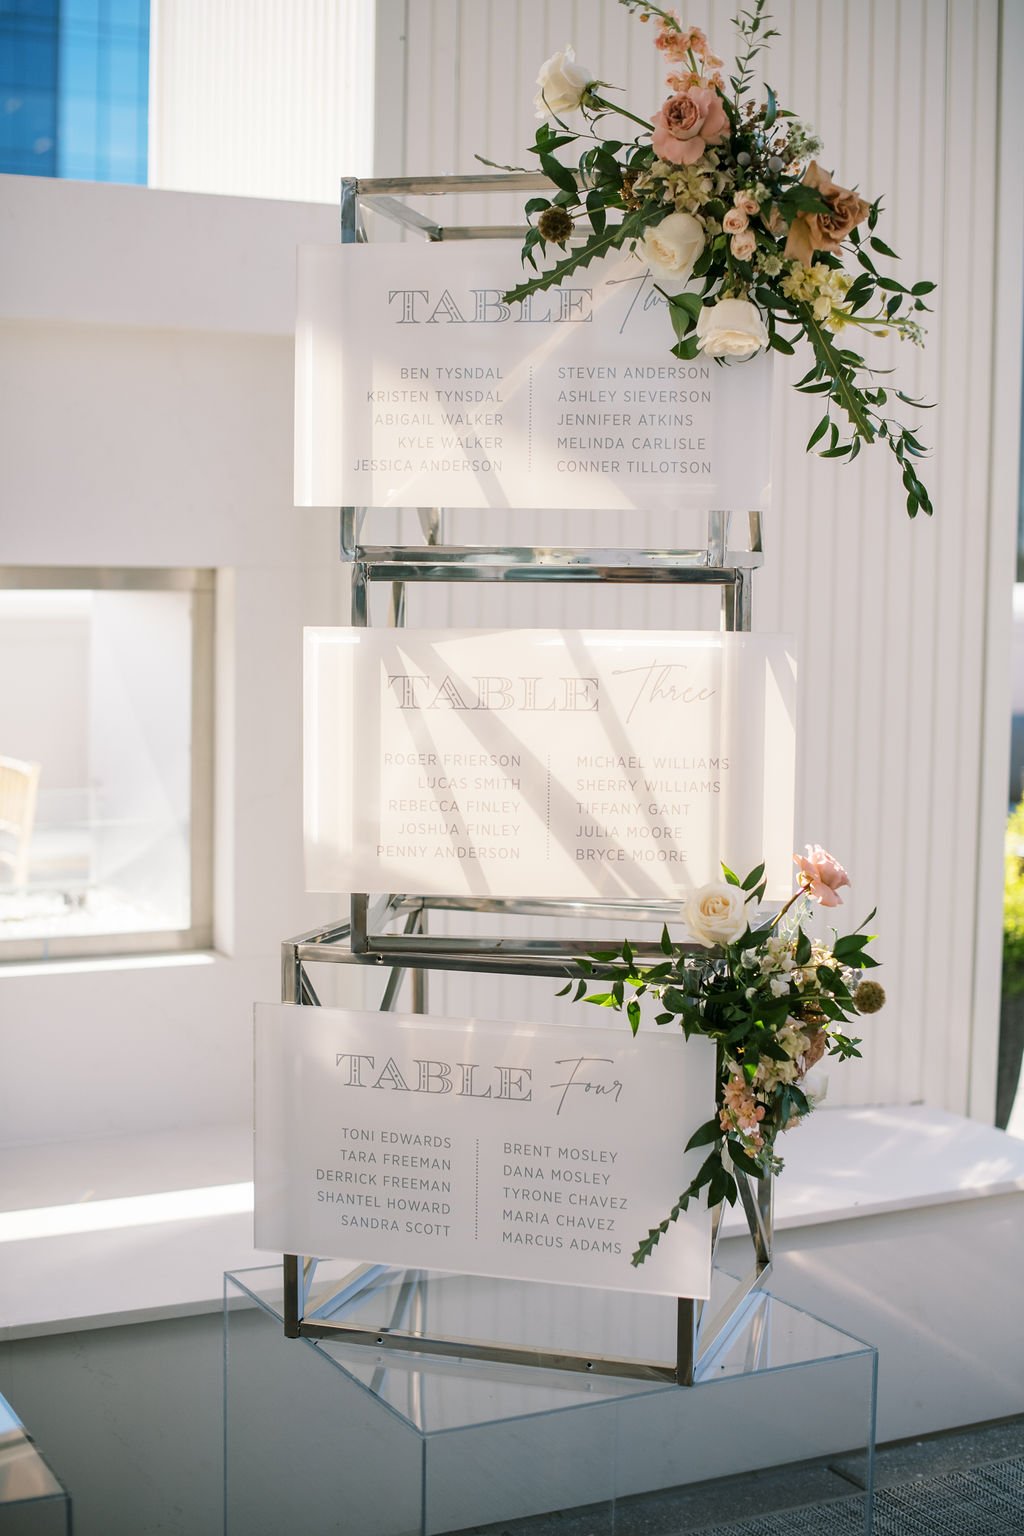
392, 931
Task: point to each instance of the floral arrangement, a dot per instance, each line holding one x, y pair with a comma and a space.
744, 232
774, 1000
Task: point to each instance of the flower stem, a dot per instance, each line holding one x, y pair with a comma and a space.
611, 106
801, 890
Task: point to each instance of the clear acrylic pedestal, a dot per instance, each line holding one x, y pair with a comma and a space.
33, 1502
325, 1438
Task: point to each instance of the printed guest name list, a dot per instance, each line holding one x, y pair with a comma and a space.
546, 762
535, 1151
417, 385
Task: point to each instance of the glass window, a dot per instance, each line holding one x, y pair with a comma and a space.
105, 761
74, 88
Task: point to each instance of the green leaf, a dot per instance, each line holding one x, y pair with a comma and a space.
803, 948
666, 942
772, 109
744, 1161
674, 1000
818, 433
632, 226
730, 875
708, 1132
560, 174
633, 1015
691, 303
595, 208
846, 394
921, 288
753, 878
563, 990
686, 349
881, 247
581, 992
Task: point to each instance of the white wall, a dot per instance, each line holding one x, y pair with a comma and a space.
260, 98
146, 375
904, 629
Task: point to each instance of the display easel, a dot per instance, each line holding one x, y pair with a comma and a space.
393, 931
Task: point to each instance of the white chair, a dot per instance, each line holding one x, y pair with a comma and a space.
19, 787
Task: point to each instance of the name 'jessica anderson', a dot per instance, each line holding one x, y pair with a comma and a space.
432, 466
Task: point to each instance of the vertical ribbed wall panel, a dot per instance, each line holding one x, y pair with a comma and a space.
892, 618
261, 98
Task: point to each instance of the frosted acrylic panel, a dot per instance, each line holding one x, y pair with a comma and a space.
543, 1152
556, 763
415, 385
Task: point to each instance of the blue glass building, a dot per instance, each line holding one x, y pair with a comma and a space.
74, 88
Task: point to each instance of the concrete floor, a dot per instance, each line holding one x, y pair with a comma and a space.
820, 1496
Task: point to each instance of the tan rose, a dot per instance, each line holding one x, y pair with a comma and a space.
735, 221
747, 204
810, 232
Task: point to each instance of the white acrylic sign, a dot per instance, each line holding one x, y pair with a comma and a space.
415, 385
539, 1152
555, 763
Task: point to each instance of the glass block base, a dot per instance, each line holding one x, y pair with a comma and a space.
32, 1500
365, 1442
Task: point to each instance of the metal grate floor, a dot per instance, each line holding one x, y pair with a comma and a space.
984, 1501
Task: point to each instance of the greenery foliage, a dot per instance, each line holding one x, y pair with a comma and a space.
774, 1001
772, 229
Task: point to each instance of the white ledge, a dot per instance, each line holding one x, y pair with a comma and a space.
844, 1163
133, 1229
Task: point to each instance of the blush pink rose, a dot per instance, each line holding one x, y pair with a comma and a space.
821, 875
687, 124
743, 245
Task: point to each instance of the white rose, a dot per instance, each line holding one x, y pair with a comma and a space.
716, 913
815, 1087
731, 328
563, 84
671, 247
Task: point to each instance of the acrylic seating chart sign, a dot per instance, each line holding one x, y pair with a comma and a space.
416, 385
539, 1152
568, 763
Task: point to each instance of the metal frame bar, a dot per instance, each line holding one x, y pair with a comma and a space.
362, 941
